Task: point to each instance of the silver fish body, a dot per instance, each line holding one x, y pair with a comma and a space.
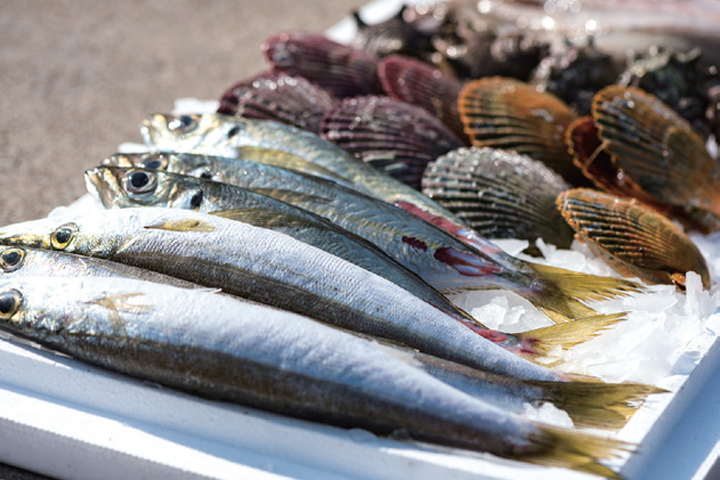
272, 268
250, 138
237, 351
118, 187
438, 257
34, 262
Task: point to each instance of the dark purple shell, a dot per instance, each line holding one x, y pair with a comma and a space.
342, 70
393, 136
419, 83
276, 96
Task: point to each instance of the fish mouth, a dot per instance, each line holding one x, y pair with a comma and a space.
150, 129
100, 185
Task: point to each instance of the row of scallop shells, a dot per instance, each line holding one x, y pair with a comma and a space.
401, 115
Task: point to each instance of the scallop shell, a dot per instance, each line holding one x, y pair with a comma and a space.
391, 135
659, 151
276, 96
505, 113
634, 239
419, 83
342, 70
500, 194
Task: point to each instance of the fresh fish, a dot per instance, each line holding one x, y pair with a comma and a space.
273, 268
254, 139
589, 404
221, 346
118, 187
121, 188
438, 257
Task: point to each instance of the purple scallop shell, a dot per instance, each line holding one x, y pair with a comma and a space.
276, 96
393, 136
419, 83
342, 70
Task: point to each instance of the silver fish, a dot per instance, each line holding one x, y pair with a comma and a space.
256, 140
308, 370
133, 187
442, 260
598, 405
273, 268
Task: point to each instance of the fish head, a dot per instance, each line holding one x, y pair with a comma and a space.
88, 233
197, 133
119, 187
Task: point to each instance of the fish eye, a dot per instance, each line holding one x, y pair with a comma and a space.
12, 259
60, 238
139, 182
10, 301
183, 123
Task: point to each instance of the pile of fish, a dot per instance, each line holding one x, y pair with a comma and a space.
297, 251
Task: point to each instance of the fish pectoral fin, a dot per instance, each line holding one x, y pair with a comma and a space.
266, 218
287, 160
189, 225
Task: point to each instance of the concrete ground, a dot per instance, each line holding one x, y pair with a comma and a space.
77, 76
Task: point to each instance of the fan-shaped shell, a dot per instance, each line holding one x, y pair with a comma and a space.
394, 136
279, 97
418, 83
634, 239
505, 113
343, 70
658, 151
500, 194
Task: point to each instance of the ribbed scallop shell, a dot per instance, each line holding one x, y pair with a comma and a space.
279, 97
500, 194
342, 70
419, 83
505, 113
394, 136
658, 150
634, 239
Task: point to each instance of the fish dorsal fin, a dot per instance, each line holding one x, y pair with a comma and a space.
185, 225
287, 160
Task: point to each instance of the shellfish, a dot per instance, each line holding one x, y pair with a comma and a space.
500, 194
644, 149
393, 136
634, 239
505, 113
276, 96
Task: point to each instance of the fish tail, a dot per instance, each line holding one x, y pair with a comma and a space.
597, 404
559, 293
577, 451
566, 335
